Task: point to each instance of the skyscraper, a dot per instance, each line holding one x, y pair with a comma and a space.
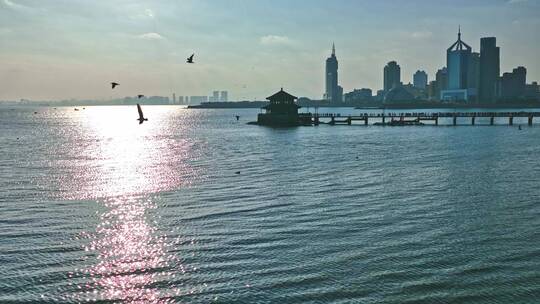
473, 76
332, 89
420, 80
458, 60
489, 69
224, 96
215, 96
513, 85
441, 82
392, 76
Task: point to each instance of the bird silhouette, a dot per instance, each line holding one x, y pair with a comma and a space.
141, 118
114, 84
237, 117
190, 59
140, 96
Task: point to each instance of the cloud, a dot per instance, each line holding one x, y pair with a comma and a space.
517, 1
151, 36
149, 13
274, 39
14, 5
421, 35
144, 14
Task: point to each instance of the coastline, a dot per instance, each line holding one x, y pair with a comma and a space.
260, 104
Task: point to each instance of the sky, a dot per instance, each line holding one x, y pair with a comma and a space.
72, 49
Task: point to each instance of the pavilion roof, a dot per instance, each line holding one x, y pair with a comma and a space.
281, 95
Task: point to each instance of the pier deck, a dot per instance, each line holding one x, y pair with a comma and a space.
365, 118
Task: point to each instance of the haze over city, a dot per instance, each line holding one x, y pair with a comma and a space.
55, 50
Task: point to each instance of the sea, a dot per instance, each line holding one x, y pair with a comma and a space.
195, 206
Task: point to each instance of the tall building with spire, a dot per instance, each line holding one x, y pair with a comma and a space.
333, 93
457, 62
462, 66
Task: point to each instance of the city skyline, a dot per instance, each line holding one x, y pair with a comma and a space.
254, 45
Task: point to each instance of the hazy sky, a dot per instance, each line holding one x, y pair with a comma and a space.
62, 49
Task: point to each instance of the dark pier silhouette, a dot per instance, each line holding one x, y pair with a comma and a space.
398, 119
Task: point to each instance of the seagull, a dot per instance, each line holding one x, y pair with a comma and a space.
114, 84
190, 59
140, 96
141, 116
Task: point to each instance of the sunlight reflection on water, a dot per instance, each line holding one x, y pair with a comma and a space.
132, 256
126, 163
123, 157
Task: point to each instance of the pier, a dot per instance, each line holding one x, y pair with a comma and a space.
409, 118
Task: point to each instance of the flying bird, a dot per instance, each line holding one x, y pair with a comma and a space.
140, 96
190, 59
141, 116
114, 84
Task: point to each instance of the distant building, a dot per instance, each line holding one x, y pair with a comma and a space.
224, 96
392, 76
197, 99
458, 61
180, 99
398, 95
514, 85
214, 97
360, 95
380, 95
431, 91
333, 92
473, 76
173, 98
489, 70
532, 91
442, 79
417, 93
420, 79
440, 84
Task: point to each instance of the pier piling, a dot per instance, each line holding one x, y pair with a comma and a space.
411, 118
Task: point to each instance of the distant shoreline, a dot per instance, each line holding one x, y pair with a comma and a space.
314, 104
259, 104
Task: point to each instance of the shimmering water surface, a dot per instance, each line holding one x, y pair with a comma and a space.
94, 206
